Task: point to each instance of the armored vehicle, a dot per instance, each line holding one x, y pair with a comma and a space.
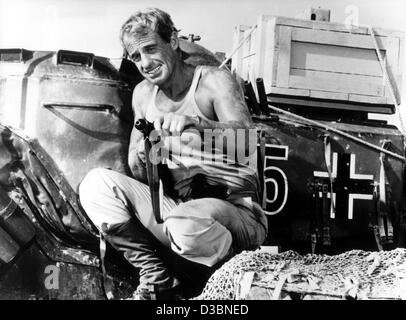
332, 179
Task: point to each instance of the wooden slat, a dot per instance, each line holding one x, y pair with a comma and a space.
328, 95
261, 39
246, 51
400, 63
332, 26
272, 40
275, 55
270, 58
282, 75
265, 43
337, 38
329, 105
236, 62
320, 25
367, 99
324, 57
288, 91
327, 81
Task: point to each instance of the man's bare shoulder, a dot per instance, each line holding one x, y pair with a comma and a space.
213, 77
219, 80
212, 73
141, 92
221, 89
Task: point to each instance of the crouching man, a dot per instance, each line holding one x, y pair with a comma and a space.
214, 213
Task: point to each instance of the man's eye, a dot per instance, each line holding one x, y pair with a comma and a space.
135, 57
150, 50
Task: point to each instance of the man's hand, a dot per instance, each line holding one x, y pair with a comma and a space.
174, 122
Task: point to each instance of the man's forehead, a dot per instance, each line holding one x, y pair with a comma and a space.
138, 40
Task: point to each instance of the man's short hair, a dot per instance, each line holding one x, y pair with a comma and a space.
143, 21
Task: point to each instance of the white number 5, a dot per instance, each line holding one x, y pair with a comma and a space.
275, 180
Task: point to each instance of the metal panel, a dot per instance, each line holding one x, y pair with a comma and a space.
290, 205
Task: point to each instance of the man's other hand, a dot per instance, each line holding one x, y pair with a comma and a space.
174, 123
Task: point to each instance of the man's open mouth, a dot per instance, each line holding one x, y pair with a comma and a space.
155, 70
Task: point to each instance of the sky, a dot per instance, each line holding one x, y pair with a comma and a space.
93, 25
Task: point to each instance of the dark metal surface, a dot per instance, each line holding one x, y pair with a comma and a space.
252, 100
295, 151
263, 99
71, 101
75, 113
32, 275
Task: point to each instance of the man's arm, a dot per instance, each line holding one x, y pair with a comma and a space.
224, 94
136, 150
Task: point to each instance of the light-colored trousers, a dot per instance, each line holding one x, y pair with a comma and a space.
200, 230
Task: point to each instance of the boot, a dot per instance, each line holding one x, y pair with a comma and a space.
194, 274
139, 246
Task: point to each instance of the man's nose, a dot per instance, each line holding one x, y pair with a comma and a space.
145, 62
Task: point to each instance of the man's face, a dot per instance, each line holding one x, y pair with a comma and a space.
154, 57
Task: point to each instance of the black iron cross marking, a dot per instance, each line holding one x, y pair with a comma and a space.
347, 185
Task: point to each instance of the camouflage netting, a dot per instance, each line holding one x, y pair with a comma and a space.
354, 274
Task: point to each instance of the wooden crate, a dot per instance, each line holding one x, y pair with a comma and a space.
321, 61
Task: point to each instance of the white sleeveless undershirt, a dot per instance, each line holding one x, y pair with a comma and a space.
187, 106
188, 157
